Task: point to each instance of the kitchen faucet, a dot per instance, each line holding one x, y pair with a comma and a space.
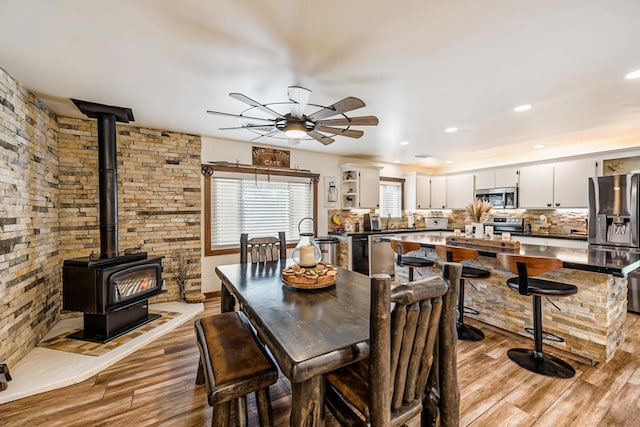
388, 221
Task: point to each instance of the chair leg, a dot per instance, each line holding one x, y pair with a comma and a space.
221, 414
466, 332
263, 402
536, 361
411, 274
241, 411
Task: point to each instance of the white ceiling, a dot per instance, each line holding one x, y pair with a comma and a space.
420, 66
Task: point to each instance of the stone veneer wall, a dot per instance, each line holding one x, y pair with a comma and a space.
30, 271
159, 202
49, 207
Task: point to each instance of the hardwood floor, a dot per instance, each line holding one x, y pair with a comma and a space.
155, 386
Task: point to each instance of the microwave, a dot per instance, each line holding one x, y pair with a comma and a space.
500, 198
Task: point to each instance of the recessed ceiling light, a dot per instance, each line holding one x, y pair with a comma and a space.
521, 108
451, 129
633, 75
404, 143
538, 146
449, 162
396, 161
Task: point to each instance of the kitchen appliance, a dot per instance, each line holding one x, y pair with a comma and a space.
500, 198
508, 224
359, 253
371, 222
613, 211
436, 223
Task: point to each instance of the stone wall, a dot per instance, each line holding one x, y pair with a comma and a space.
30, 271
159, 203
49, 207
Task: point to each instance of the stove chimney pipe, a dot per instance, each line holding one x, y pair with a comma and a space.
107, 116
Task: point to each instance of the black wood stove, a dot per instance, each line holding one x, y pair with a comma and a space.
111, 290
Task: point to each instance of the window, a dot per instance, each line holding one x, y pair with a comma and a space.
257, 203
391, 190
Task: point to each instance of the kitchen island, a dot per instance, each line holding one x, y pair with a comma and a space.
592, 322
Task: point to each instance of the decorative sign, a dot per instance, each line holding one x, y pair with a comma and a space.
270, 157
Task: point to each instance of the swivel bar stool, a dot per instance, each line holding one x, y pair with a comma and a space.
412, 262
459, 254
524, 266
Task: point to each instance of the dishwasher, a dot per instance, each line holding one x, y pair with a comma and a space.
359, 248
381, 256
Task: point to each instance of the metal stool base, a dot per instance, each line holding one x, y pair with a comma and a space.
541, 363
469, 333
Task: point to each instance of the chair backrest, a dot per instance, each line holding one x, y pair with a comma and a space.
261, 249
525, 266
455, 253
405, 341
401, 247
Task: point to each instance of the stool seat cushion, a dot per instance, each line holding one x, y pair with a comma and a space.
232, 349
474, 273
544, 287
412, 261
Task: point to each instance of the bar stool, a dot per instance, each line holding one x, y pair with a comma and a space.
526, 266
400, 248
459, 254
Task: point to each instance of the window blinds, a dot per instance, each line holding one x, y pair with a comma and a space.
390, 199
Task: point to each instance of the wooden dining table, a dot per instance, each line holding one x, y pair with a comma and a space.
308, 333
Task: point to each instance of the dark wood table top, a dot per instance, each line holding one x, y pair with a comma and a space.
309, 333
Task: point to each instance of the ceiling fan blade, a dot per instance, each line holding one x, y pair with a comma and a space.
240, 116
320, 137
244, 98
351, 133
256, 127
266, 134
346, 105
358, 121
299, 96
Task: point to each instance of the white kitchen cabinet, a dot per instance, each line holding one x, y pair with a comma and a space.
536, 186
438, 192
485, 179
417, 191
360, 186
571, 183
556, 185
459, 191
506, 177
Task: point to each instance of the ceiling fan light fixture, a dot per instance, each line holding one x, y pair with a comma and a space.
295, 130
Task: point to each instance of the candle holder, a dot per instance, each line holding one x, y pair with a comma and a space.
306, 253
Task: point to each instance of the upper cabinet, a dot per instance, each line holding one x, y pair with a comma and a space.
417, 191
438, 192
360, 186
556, 185
459, 191
495, 178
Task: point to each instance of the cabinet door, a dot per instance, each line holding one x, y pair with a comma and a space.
485, 179
571, 183
369, 188
507, 177
423, 191
438, 192
536, 186
459, 191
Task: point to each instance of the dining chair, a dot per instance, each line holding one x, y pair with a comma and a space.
261, 249
401, 248
411, 369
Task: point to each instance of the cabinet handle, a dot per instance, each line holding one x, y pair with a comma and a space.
557, 204
548, 205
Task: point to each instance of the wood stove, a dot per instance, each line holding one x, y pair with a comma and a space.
111, 290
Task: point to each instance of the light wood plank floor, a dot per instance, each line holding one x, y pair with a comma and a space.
155, 387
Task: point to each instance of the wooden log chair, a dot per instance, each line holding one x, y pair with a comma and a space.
460, 254
261, 249
233, 364
411, 370
525, 267
5, 376
411, 262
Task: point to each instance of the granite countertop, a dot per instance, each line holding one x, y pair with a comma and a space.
616, 261
417, 230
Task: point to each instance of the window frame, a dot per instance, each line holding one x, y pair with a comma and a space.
401, 181
208, 172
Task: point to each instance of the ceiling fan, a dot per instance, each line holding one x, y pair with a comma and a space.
271, 119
